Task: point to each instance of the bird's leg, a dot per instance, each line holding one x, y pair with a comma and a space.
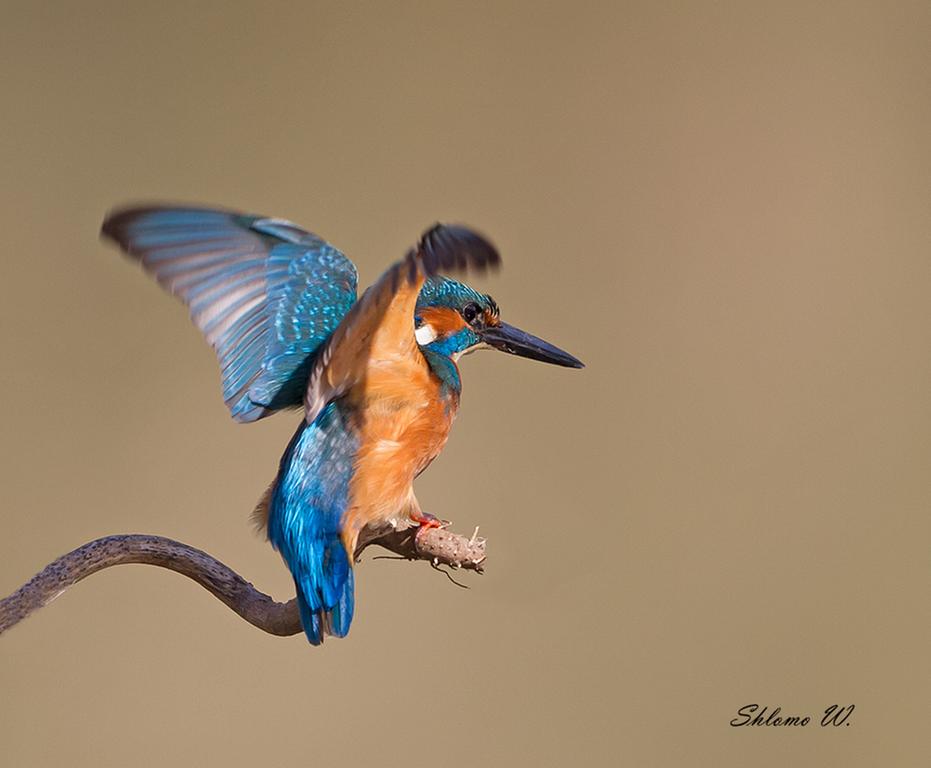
426, 520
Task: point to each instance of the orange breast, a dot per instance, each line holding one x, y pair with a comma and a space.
404, 423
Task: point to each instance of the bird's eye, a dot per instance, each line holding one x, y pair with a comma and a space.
470, 312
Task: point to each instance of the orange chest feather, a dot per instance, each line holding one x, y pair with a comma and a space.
404, 424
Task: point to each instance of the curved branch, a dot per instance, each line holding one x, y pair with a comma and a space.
434, 544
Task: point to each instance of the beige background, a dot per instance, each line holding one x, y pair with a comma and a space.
721, 208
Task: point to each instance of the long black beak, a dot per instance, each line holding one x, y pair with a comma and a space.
507, 338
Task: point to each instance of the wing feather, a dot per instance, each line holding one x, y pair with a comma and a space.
265, 293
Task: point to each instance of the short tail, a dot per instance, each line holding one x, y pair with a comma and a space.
325, 595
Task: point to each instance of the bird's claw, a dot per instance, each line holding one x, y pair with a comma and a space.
426, 520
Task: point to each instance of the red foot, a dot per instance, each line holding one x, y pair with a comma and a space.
426, 520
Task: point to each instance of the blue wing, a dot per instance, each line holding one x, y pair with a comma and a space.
306, 507
264, 292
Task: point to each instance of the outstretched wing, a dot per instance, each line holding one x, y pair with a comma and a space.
264, 292
380, 326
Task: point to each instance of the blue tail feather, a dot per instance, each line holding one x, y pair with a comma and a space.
325, 593
322, 621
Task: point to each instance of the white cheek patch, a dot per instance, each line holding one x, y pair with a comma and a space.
425, 334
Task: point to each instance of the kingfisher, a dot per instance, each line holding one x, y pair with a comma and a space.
377, 376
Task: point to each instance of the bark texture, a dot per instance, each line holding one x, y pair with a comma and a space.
437, 545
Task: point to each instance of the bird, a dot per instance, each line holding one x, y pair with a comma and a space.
377, 375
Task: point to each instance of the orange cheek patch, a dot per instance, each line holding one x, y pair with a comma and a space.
443, 320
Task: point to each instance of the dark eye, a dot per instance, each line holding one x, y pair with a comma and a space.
470, 312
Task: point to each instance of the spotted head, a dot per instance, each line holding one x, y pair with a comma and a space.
453, 319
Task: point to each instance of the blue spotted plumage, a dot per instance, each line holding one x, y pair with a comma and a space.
378, 376
442, 291
264, 292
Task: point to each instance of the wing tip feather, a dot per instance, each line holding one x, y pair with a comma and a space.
455, 247
116, 223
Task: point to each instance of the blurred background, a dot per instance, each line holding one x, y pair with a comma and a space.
722, 208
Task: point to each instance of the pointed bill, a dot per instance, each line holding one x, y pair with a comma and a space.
513, 340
